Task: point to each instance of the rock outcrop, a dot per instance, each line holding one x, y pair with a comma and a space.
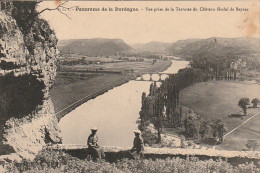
27, 71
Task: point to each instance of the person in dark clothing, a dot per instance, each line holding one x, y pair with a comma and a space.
138, 145
95, 150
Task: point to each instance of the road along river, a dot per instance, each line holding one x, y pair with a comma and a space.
114, 113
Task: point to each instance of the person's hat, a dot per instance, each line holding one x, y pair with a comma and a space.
137, 131
94, 128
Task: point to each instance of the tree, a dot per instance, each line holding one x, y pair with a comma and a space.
255, 102
243, 103
158, 125
158, 121
152, 89
192, 125
204, 129
143, 109
25, 13
219, 129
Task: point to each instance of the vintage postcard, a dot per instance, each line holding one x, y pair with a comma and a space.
129, 86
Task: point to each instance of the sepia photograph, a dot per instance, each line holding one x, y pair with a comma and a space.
131, 87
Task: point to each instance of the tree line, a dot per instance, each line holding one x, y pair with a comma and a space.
161, 107
217, 67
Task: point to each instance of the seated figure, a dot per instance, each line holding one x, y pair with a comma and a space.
138, 145
95, 150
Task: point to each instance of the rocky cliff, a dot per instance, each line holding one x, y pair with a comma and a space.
27, 71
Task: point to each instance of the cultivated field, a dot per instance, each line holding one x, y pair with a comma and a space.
144, 66
217, 100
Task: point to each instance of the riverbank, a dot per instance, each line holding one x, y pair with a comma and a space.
68, 96
71, 91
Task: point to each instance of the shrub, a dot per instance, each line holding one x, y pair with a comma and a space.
149, 134
255, 102
56, 161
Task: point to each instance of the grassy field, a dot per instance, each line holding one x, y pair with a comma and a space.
71, 87
239, 138
217, 100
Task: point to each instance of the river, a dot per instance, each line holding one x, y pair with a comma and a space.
114, 113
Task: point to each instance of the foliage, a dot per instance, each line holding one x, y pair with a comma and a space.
25, 14
157, 121
56, 161
142, 112
166, 97
205, 129
255, 102
33, 28
149, 134
218, 128
216, 55
150, 137
196, 127
243, 103
191, 124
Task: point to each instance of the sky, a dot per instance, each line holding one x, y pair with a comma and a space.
162, 26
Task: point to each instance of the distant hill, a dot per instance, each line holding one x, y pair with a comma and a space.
153, 47
219, 47
93, 47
